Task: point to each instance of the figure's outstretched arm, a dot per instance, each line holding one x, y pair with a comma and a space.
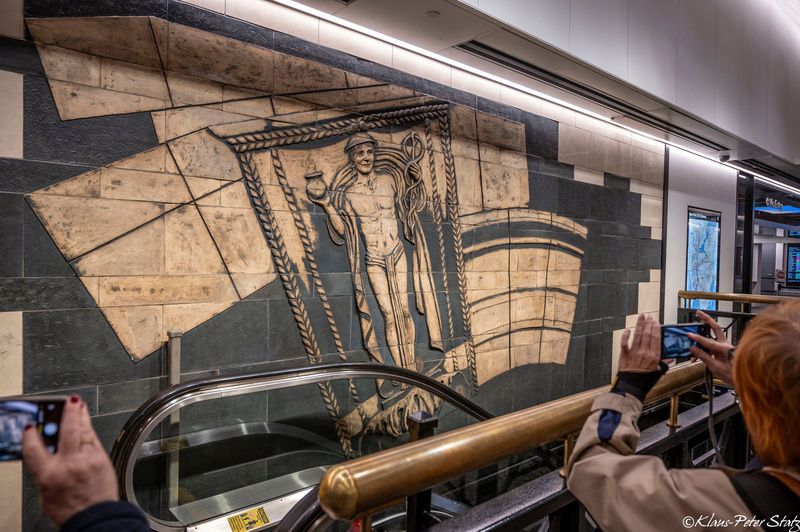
318, 193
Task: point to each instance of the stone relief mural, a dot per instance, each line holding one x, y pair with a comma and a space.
269, 168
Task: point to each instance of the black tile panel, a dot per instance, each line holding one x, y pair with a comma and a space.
19, 175
41, 255
12, 207
98, 8
43, 293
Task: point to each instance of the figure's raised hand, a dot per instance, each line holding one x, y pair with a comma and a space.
715, 353
644, 353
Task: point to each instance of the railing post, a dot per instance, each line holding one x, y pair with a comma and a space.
174, 377
418, 506
674, 404
569, 446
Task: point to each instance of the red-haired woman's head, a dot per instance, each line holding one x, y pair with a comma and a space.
766, 371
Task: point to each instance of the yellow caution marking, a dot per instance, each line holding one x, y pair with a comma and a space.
249, 520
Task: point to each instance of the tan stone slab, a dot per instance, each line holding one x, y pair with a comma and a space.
232, 92
239, 237
236, 195
647, 189
247, 283
124, 38
632, 162
295, 74
188, 316
559, 113
140, 252
11, 115
84, 185
529, 259
501, 132
487, 280
11, 488
491, 342
213, 57
12, 24
289, 106
490, 311
92, 285
525, 354
119, 183
586, 175
79, 101
10, 353
528, 279
604, 154
653, 168
503, 186
555, 351
189, 90
79, 225
651, 211
528, 308
201, 155
560, 308
649, 297
186, 120
574, 145
152, 160
463, 122
68, 65
502, 156
491, 364
566, 279
132, 78
138, 328
561, 260
656, 233
647, 144
520, 100
241, 128
492, 261
126, 291
206, 191
590, 124
255, 107
189, 247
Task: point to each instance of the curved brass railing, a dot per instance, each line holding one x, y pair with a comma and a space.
363, 486
736, 298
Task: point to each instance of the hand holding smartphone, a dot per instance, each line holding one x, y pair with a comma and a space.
675, 342
16, 413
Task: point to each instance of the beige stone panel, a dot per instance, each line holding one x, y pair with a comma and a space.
469, 185
152, 160
12, 24
590, 124
235, 195
79, 225
83, 185
554, 350
504, 186
487, 280
140, 252
79, 101
529, 259
11, 115
528, 309
492, 261
525, 354
561, 260
240, 240
490, 311
631, 319
615, 350
422, 66
624, 159
133, 79
288, 106
574, 145
501, 132
604, 154
652, 210
127, 291
213, 57
11, 488
474, 84
189, 246
189, 90
593, 177
10, 353
276, 17
653, 168
355, 43
250, 125
526, 337
528, 279
213, 5
68, 65
617, 133
188, 316
119, 183
655, 275
560, 308
206, 191
632, 162
649, 297
502, 156
565, 279
647, 144
256, 107
232, 92
463, 122
647, 189
247, 283
520, 100
491, 364
124, 38
559, 113
656, 233
201, 155
138, 328
185, 120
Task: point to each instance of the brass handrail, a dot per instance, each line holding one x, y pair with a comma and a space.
362, 486
737, 298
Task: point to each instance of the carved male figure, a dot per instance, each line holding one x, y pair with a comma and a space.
373, 199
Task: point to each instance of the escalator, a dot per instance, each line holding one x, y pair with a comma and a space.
242, 452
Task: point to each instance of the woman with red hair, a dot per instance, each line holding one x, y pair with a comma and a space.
624, 491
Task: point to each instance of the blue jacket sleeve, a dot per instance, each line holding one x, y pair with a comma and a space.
107, 517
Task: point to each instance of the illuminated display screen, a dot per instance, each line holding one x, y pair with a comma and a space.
793, 264
702, 256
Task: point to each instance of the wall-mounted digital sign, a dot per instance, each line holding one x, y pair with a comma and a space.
702, 255
792, 264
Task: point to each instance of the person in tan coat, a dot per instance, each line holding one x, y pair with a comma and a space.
623, 491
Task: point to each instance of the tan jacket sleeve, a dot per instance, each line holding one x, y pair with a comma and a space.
624, 491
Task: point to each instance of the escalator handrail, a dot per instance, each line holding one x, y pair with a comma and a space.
130, 439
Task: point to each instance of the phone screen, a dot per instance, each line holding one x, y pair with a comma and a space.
16, 414
674, 340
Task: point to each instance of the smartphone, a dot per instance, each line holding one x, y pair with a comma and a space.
44, 413
675, 342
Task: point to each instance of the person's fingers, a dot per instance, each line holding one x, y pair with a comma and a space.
87, 430
69, 438
625, 345
655, 338
34, 452
638, 334
708, 343
704, 357
712, 323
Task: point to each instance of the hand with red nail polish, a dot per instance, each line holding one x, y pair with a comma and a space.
79, 474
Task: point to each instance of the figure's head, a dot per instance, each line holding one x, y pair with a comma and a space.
766, 371
361, 150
